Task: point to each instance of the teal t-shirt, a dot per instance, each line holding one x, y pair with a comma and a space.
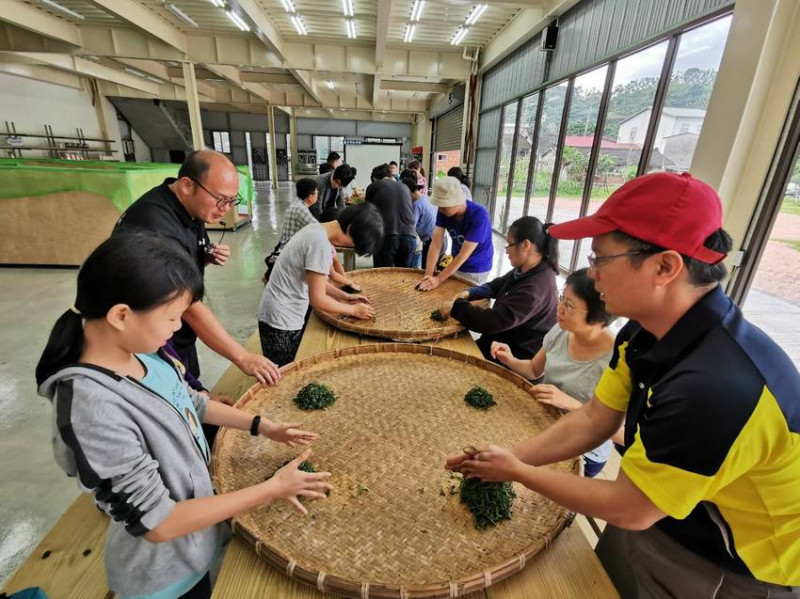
161, 378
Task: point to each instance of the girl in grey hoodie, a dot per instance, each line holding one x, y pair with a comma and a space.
126, 423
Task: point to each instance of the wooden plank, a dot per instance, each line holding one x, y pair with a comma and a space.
73, 568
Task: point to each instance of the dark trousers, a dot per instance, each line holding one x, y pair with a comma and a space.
202, 590
397, 250
426, 245
278, 345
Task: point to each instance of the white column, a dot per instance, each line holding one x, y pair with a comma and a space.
193, 105
273, 157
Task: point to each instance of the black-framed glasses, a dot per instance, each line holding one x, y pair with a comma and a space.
594, 261
222, 201
511, 245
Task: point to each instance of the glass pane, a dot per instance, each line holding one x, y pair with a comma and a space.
524, 144
773, 302
226, 142
693, 76
553, 108
578, 143
337, 144
321, 145
500, 221
629, 110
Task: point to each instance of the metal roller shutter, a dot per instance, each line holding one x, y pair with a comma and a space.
448, 130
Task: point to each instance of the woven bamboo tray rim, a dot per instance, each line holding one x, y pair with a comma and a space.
331, 583
450, 328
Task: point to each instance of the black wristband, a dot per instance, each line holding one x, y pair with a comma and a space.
254, 426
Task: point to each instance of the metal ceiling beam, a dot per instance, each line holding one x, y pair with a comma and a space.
81, 66
271, 78
412, 86
382, 31
264, 29
308, 85
39, 73
139, 16
23, 15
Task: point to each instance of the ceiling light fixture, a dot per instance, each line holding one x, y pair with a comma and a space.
181, 15
351, 29
347, 7
155, 79
64, 9
461, 33
330, 84
288, 6
297, 21
476, 13
133, 71
409, 34
237, 20
218, 3
416, 11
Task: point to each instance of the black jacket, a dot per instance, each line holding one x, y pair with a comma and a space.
524, 310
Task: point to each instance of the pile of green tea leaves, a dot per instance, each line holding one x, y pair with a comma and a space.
489, 503
480, 398
438, 316
314, 396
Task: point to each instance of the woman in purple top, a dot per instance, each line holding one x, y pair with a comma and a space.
470, 228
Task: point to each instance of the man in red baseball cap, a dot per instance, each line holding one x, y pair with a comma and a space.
707, 494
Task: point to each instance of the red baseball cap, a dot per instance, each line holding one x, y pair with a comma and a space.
676, 212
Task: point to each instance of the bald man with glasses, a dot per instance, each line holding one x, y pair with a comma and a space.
206, 189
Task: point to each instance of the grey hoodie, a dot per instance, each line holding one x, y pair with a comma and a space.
136, 454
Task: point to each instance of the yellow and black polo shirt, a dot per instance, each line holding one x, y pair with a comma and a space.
712, 436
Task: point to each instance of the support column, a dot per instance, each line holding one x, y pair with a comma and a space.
273, 156
293, 141
193, 105
102, 121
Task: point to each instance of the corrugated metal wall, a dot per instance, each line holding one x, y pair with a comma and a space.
589, 33
522, 71
448, 130
593, 31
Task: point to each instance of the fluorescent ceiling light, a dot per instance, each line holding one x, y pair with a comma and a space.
288, 6
237, 20
64, 9
133, 71
416, 11
459, 36
351, 28
218, 3
347, 7
409, 35
155, 79
297, 21
476, 13
330, 84
181, 15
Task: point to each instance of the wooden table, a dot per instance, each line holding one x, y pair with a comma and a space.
348, 257
68, 563
568, 568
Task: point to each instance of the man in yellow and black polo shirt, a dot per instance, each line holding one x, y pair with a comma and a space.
709, 487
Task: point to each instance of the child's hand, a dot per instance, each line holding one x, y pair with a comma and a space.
289, 483
354, 286
501, 352
363, 311
358, 298
553, 396
286, 433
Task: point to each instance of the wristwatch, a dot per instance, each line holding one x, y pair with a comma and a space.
254, 426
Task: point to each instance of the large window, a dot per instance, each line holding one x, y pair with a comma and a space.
546, 145
324, 144
584, 106
522, 160
505, 159
686, 101
629, 112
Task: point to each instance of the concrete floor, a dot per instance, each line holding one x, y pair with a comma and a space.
35, 492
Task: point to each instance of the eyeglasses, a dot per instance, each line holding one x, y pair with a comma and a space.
594, 261
569, 307
222, 201
511, 245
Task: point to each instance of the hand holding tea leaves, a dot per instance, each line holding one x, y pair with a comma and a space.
490, 463
291, 483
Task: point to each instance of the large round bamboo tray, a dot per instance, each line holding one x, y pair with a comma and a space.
394, 526
403, 313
